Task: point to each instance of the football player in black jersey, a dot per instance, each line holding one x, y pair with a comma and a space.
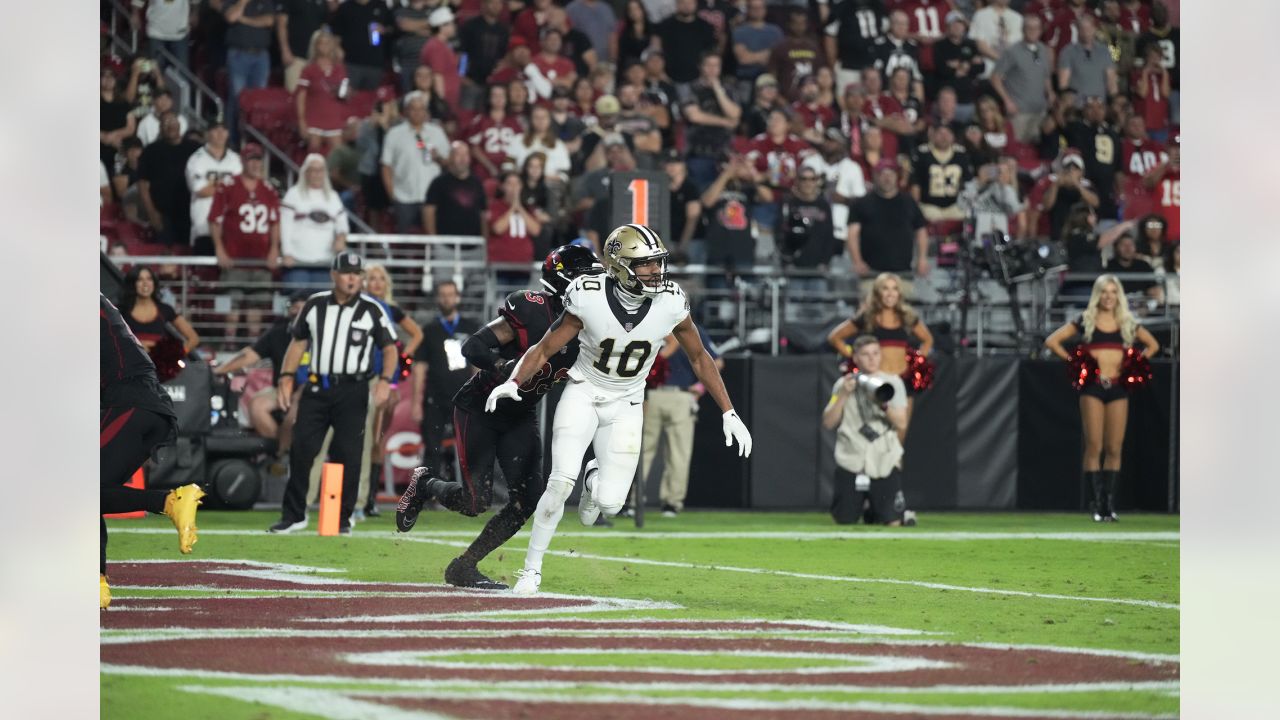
509, 435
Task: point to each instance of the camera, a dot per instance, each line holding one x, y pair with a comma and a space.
875, 387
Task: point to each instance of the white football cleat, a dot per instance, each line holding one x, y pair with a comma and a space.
588, 508
527, 582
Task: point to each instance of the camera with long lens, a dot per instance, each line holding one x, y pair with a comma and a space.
880, 390
1011, 261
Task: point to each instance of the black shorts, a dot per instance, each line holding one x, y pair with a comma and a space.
887, 500
1106, 394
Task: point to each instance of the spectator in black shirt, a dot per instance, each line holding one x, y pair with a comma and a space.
711, 116
958, 64
755, 120
162, 183
1099, 145
1084, 245
1065, 190
439, 371
634, 36
1126, 260
805, 233
365, 27
124, 180
115, 118
484, 39
884, 225
412, 20
850, 35
940, 169
296, 20
249, 28
271, 347
455, 201
686, 38
686, 208
728, 205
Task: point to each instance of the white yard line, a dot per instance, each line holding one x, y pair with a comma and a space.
343, 705
644, 686
836, 578
905, 534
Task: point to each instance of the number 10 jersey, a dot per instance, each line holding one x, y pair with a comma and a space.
618, 344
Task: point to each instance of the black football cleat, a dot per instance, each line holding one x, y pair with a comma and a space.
412, 501
461, 573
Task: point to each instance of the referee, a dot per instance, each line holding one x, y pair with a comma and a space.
344, 329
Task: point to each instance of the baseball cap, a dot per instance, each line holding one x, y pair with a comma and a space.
516, 41
347, 262
955, 15
251, 151
886, 164
766, 79
608, 105
299, 296
217, 121
650, 52
613, 139
440, 17
672, 156
1073, 158
560, 91
835, 133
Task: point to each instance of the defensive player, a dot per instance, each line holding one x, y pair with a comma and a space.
511, 433
620, 321
136, 418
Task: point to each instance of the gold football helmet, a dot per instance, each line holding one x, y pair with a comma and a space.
630, 246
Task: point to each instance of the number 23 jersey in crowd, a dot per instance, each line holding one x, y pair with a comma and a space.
530, 314
618, 344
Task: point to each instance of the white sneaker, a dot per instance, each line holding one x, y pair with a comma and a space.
527, 582
588, 509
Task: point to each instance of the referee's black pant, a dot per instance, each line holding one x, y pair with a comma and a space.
343, 408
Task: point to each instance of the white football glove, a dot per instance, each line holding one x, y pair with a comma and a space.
508, 390
735, 429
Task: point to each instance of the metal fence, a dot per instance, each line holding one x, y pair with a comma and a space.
764, 309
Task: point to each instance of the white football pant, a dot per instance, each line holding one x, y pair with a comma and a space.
613, 428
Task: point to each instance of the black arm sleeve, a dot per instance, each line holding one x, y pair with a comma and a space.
480, 349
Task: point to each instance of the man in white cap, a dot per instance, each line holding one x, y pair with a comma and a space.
440, 57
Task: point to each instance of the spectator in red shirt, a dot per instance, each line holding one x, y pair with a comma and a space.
555, 67
322, 94
490, 133
1165, 181
518, 65
531, 21
1135, 16
777, 153
511, 228
909, 105
1153, 88
1065, 28
926, 19
1140, 153
440, 57
245, 223
811, 116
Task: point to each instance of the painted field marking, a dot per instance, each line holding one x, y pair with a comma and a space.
341, 705
834, 578
957, 536
854, 663
1157, 686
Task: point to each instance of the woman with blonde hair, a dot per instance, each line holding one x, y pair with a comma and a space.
377, 283
313, 226
1110, 366
887, 317
321, 95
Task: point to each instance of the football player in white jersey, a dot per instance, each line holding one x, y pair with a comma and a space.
621, 321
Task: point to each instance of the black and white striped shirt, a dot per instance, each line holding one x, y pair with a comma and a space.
343, 337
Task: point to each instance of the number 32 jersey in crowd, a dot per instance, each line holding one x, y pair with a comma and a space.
246, 217
619, 345
530, 314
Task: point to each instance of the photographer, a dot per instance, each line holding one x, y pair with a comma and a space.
869, 431
992, 197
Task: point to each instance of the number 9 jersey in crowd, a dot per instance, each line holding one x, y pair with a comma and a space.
621, 334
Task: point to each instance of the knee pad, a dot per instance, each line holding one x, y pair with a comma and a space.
559, 489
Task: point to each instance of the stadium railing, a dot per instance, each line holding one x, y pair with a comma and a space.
763, 308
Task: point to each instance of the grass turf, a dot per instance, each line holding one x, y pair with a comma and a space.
1106, 568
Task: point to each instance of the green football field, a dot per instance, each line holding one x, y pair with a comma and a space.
712, 614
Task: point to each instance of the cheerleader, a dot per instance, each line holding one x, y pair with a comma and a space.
1106, 367
887, 317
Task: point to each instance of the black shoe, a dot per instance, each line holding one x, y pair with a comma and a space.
602, 521
626, 512
412, 501
284, 527
461, 573
372, 510
344, 530
669, 511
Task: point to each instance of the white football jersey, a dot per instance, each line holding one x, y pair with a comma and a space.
202, 169
616, 346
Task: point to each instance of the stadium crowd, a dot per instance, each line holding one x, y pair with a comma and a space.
504, 119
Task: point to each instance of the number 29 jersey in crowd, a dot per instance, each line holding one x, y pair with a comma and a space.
530, 314
619, 344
